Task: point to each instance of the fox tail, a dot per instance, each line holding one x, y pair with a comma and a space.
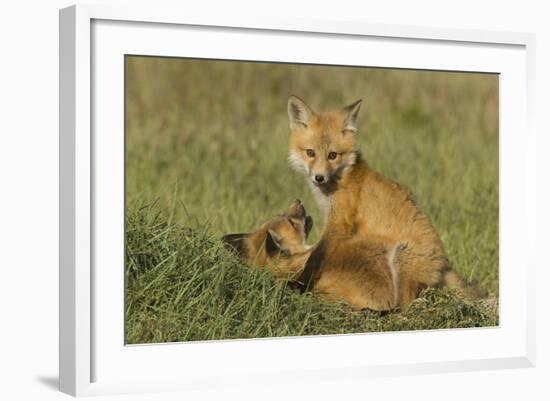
453, 280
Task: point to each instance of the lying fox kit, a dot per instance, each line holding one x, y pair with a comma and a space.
279, 244
364, 275
363, 209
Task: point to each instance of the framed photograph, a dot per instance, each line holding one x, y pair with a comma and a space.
268, 201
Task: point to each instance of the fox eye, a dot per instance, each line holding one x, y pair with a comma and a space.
310, 152
293, 224
332, 155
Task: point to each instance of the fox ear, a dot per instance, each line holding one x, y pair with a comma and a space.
299, 112
351, 112
273, 243
236, 242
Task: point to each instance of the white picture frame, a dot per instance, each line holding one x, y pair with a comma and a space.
93, 357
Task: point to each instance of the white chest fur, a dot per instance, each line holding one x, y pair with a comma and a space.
324, 202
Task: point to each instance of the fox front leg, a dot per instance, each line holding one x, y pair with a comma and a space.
312, 269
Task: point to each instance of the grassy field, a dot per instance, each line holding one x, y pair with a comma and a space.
206, 146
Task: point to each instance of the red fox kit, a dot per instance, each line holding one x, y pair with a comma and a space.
279, 244
361, 206
363, 275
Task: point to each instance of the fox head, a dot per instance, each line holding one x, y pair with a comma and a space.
322, 145
279, 237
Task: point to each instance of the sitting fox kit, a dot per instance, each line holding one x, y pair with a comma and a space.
368, 218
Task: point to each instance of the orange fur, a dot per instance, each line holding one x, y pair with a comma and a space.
355, 271
361, 206
279, 244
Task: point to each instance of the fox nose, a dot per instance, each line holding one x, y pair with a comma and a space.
320, 178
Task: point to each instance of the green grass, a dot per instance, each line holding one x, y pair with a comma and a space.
183, 285
206, 147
